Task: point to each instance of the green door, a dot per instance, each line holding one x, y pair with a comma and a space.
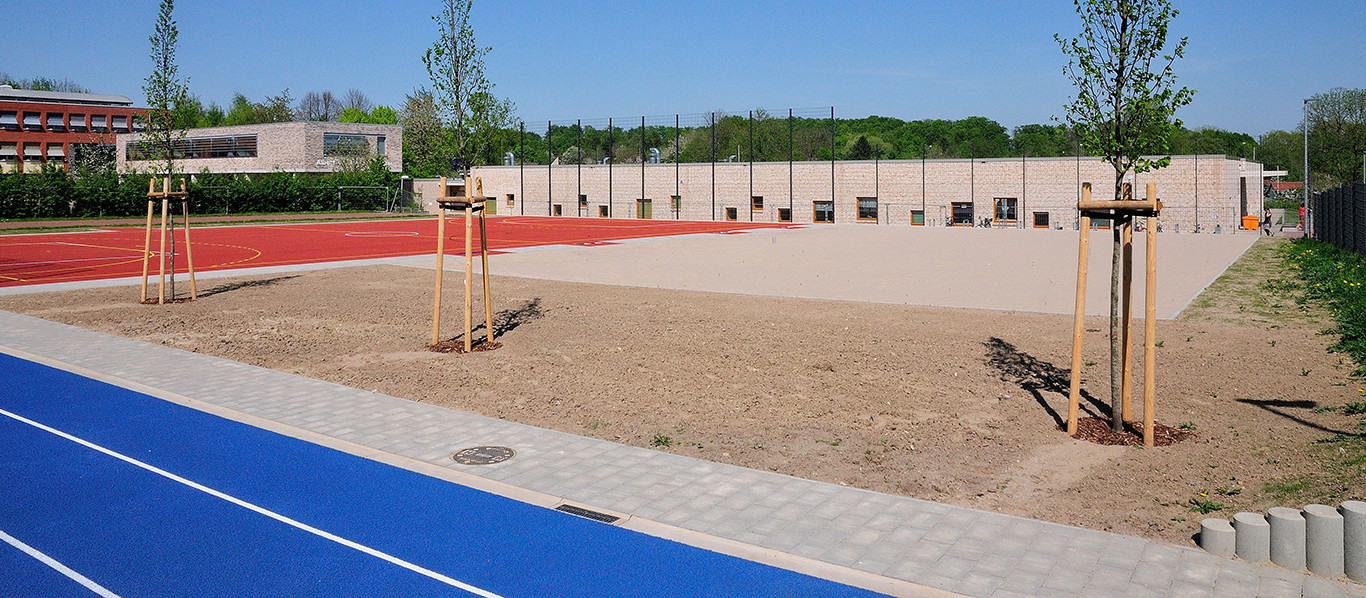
643, 209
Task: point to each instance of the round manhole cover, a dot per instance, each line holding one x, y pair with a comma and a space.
483, 455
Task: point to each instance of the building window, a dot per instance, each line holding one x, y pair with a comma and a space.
120, 124
602, 211
236, 146
962, 214
1040, 219
512, 199
9, 120
99, 123
379, 145
56, 152
675, 202
557, 210
917, 217
823, 211
583, 201
867, 208
77, 123
1006, 210
33, 121
9, 156
54, 122
337, 144
784, 214
756, 203
731, 214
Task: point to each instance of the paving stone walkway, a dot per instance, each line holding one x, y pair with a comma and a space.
935, 547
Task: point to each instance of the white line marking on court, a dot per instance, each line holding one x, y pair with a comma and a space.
63, 569
261, 510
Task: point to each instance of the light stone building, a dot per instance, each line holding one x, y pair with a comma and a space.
302, 146
1211, 191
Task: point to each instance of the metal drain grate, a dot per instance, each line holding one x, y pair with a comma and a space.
483, 455
587, 514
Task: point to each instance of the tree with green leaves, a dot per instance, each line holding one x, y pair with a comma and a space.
1123, 112
463, 95
165, 93
1337, 136
423, 137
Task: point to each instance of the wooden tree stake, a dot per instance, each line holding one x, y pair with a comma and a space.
1150, 324
1078, 322
472, 202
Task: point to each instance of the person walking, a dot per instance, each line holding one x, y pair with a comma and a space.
1266, 221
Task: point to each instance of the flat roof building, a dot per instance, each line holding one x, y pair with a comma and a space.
301, 146
46, 127
1199, 193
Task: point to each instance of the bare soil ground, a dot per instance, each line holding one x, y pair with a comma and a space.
953, 405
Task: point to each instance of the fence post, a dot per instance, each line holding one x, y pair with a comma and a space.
1359, 203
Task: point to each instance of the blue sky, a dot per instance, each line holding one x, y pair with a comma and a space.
1250, 62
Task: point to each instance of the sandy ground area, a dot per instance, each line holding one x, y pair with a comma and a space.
948, 404
1011, 269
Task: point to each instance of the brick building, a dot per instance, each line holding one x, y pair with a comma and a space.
301, 146
49, 127
1206, 190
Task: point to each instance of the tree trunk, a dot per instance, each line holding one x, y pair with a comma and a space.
1116, 334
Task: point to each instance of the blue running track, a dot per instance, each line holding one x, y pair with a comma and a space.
109, 492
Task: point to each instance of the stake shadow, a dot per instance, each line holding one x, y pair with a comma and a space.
1037, 376
1279, 407
246, 284
506, 321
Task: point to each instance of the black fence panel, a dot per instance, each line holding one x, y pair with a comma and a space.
1340, 217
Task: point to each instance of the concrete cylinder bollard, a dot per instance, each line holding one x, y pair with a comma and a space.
1323, 540
1253, 543
1354, 538
1287, 537
1217, 536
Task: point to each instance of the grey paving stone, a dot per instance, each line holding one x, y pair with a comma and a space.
978, 584
1023, 582
1138, 591
1111, 578
936, 580
1189, 590
1270, 587
1318, 587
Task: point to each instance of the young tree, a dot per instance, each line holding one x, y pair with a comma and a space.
463, 96
165, 93
1126, 99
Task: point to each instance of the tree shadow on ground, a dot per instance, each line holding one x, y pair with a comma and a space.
506, 321
246, 284
1037, 376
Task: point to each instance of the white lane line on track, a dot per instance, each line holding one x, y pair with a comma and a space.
63, 569
261, 510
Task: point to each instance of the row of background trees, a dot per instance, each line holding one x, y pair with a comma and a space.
1337, 120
